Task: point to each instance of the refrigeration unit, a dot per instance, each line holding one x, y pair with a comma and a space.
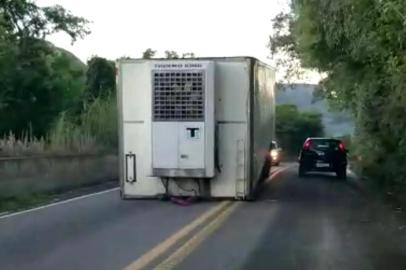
194, 127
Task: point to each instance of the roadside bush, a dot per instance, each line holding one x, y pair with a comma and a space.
93, 131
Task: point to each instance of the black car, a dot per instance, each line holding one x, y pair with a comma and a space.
324, 155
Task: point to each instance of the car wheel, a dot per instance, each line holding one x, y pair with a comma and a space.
342, 174
302, 171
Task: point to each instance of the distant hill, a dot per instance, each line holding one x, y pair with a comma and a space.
75, 64
75, 61
301, 95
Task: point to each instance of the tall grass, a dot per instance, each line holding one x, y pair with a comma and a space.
100, 120
67, 137
26, 145
93, 131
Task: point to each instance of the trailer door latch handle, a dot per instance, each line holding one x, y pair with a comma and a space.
130, 168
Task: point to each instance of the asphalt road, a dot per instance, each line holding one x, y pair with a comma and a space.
317, 222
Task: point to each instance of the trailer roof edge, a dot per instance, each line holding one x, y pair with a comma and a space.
137, 60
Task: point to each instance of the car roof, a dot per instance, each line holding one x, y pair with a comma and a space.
322, 138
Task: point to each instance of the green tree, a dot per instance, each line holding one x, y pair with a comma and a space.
188, 55
359, 45
100, 78
293, 127
36, 78
23, 19
41, 82
171, 55
148, 53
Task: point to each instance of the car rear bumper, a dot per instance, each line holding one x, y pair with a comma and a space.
332, 166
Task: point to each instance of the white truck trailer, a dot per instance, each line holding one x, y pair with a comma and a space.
194, 127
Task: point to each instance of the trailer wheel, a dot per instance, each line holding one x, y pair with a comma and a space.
251, 198
265, 170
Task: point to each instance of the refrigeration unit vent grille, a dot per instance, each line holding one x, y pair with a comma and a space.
178, 95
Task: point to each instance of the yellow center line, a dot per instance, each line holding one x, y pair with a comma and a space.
161, 248
187, 248
221, 212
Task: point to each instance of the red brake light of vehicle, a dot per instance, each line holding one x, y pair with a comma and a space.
341, 146
307, 144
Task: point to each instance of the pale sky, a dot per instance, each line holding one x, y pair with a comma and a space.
205, 27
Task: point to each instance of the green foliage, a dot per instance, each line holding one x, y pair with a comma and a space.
100, 78
100, 120
38, 80
93, 131
360, 45
188, 55
24, 201
23, 18
293, 127
41, 82
67, 136
41, 86
148, 53
171, 55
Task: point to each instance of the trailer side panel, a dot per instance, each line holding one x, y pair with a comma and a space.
262, 125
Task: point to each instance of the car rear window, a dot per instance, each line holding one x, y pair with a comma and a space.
324, 144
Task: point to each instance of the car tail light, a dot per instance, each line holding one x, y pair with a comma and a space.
307, 144
341, 146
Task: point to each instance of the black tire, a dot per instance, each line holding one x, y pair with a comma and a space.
252, 197
302, 171
342, 174
265, 172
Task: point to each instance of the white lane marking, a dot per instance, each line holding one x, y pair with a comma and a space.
277, 172
59, 203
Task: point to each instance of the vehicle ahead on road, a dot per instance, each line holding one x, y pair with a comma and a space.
325, 155
275, 153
